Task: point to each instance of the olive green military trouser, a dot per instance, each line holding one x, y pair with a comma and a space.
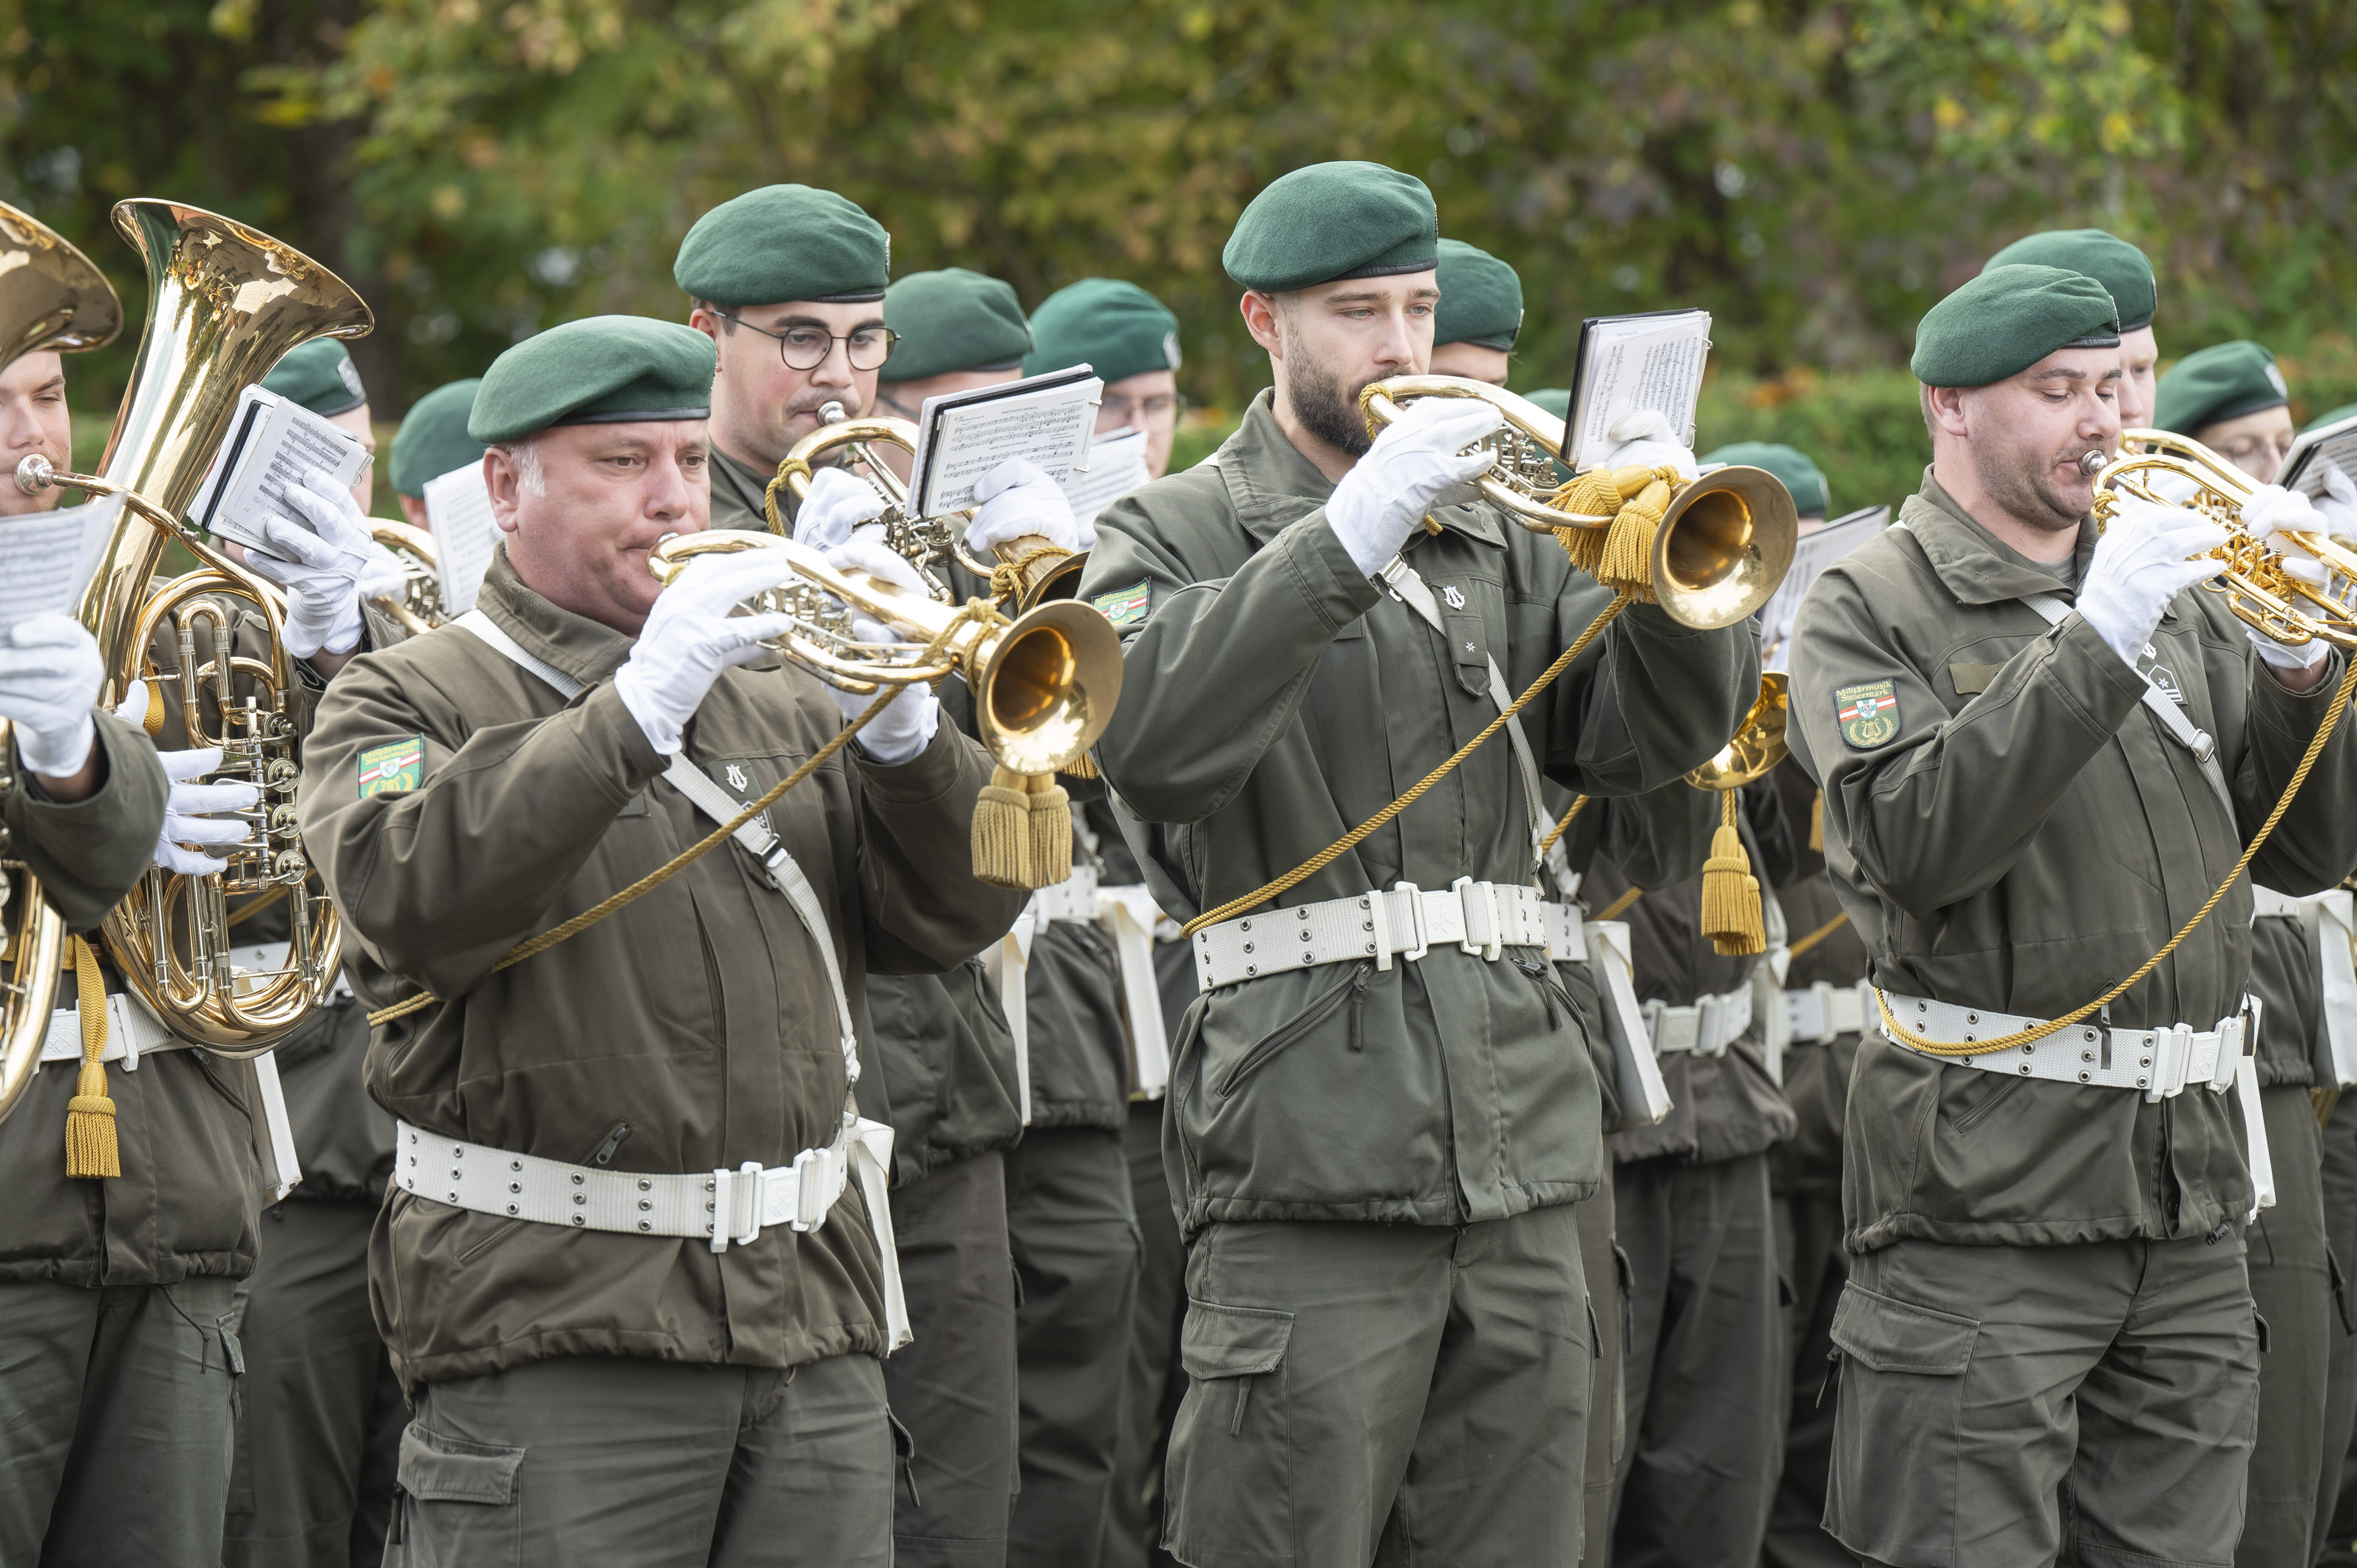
1155, 1381
1705, 1366
319, 1418
625, 1463
1384, 1394
2291, 1284
953, 1386
1809, 1250
1608, 1425
115, 1424
2336, 1497
1076, 1260
1979, 1383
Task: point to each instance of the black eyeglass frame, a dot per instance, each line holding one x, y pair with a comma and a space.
891, 340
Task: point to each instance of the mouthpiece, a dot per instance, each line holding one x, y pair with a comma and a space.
2092, 463
832, 414
34, 474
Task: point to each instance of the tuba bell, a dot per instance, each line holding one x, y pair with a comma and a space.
1724, 542
226, 302
2260, 593
1036, 570
52, 299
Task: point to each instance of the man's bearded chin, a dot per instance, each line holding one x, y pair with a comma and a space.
2026, 491
1325, 409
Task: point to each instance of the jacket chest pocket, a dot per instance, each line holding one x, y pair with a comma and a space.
1468, 652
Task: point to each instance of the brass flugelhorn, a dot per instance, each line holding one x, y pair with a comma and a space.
52, 299
226, 303
1039, 570
2260, 593
1723, 542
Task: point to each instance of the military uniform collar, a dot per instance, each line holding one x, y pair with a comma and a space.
1974, 564
746, 484
1271, 484
576, 645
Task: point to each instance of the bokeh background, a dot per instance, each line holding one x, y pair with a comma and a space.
1814, 172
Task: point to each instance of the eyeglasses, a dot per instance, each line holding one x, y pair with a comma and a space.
1120, 410
806, 347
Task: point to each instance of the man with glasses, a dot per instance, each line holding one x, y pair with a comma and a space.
1130, 340
789, 282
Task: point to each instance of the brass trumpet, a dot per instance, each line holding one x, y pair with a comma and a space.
52, 298
1044, 571
1043, 686
2259, 591
1725, 540
418, 607
1758, 743
225, 304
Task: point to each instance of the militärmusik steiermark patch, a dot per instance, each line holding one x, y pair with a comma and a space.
394, 768
1124, 606
1869, 714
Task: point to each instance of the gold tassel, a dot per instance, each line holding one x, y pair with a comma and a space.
91, 1151
1051, 831
1731, 917
154, 723
1002, 831
1817, 822
1628, 564
1083, 767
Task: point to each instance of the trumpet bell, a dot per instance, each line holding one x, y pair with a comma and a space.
1724, 544
1758, 743
1048, 686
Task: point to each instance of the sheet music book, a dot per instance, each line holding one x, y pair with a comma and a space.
271, 446
45, 559
458, 512
1117, 467
1631, 362
2303, 468
1811, 555
961, 436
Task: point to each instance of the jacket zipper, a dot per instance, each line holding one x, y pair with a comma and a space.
602, 1155
1547, 985
1308, 1018
1358, 983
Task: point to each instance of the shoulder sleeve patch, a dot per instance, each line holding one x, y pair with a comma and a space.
393, 768
1125, 606
1868, 715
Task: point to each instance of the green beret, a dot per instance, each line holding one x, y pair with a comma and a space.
784, 243
1480, 298
1555, 399
2332, 417
1802, 476
1330, 221
320, 376
2225, 381
952, 321
2008, 319
2110, 260
1116, 328
433, 438
602, 370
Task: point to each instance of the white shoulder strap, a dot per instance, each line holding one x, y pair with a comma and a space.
2172, 716
785, 873
1414, 593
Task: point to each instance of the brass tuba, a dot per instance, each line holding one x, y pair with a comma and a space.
1725, 540
52, 299
2260, 592
225, 304
1043, 571
1043, 686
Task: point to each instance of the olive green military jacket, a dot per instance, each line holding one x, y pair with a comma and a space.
736, 496
2022, 834
2284, 979
1816, 1077
695, 1029
1273, 697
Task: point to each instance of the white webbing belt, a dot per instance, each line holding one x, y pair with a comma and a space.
1567, 933
1823, 1012
863, 1146
2330, 922
1483, 919
1644, 1097
1006, 962
2162, 1062
1129, 916
2170, 714
1706, 1027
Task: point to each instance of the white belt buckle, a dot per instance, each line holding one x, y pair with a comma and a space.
810, 1189
725, 1185
1483, 896
1415, 918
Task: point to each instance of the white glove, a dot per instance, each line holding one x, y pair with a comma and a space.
1419, 462
1018, 499
1646, 441
691, 636
384, 578
2306, 656
906, 727
2270, 514
320, 565
186, 820
2139, 566
49, 675
837, 503
2337, 505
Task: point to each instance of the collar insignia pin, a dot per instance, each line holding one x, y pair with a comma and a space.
1455, 599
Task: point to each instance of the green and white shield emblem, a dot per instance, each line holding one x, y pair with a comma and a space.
1869, 714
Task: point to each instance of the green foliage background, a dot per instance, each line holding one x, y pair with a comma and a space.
1815, 172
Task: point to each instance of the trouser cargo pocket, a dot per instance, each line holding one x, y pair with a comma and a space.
1230, 1480
1892, 1492
456, 1504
